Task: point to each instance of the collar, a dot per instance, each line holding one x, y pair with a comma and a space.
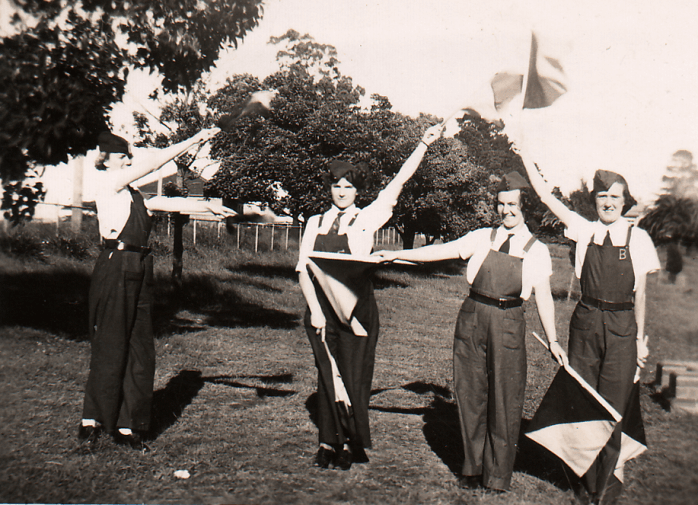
352, 210
520, 231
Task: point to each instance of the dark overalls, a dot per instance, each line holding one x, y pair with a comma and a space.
354, 355
602, 346
489, 368
119, 388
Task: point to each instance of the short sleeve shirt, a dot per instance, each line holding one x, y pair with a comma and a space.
364, 223
642, 251
536, 262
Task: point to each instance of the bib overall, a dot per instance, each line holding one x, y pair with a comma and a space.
119, 388
354, 355
489, 368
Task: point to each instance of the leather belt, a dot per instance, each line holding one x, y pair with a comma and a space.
123, 246
500, 303
604, 305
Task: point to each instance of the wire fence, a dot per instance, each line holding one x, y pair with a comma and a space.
263, 236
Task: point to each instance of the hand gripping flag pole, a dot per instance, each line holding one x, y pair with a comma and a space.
573, 421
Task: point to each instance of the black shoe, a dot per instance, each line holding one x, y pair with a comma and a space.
344, 460
134, 440
470, 481
325, 457
89, 434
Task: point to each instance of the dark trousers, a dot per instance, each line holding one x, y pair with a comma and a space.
119, 389
489, 371
603, 350
355, 357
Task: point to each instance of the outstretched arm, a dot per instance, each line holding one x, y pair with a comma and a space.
460, 248
151, 159
187, 206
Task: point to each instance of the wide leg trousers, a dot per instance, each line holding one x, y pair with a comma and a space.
119, 389
489, 371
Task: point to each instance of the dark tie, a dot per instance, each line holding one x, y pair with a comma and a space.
335, 224
504, 248
607, 238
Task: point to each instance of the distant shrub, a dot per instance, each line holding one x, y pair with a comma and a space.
23, 246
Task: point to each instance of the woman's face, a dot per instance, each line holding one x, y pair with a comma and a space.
343, 193
117, 161
609, 204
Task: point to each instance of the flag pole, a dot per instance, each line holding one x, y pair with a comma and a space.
585, 384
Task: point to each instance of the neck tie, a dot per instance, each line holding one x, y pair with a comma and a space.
607, 238
504, 248
335, 224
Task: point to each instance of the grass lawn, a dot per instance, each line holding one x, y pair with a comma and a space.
234, 401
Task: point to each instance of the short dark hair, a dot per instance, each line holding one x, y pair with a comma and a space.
356, 175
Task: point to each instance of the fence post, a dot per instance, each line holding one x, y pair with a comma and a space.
218, 229
256, 236
272, 237
286, 248
237, 228
194, 238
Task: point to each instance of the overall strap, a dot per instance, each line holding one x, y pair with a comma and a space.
319, 223
627, 239
493, 235
529, 244
353, 219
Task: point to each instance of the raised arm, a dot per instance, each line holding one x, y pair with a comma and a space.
393, 190
558, 208
148, 160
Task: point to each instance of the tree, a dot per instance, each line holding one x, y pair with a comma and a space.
19, 201
681, 176
66, 64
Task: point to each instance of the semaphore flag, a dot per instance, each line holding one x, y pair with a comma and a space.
633, 441
342, 277
573, 421
544, 82
258, 103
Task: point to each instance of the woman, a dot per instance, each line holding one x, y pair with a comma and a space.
607, 331
119, 388
505, 265
345, 228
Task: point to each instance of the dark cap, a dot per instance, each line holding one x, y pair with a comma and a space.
110, 143
604, 179
343, 170
512, 181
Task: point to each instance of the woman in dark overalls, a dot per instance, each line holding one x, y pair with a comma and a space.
607, 331
505, 264
346, 229
119, 389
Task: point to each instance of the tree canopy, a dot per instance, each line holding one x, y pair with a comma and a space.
67, 62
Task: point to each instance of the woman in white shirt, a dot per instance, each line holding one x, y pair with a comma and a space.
348, 229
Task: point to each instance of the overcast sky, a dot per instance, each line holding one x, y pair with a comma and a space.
632, 69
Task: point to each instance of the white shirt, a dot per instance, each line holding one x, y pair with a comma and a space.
642, 251
536, 263
359, 235
113, 208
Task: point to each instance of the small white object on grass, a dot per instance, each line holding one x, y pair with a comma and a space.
182, 474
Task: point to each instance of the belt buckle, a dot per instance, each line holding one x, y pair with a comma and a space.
120, 246
502, 303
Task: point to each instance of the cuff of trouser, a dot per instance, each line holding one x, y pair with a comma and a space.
499, 483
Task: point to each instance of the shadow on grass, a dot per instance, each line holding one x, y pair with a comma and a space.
55, 302
169, 403
534, 459
215, 302
284, 272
